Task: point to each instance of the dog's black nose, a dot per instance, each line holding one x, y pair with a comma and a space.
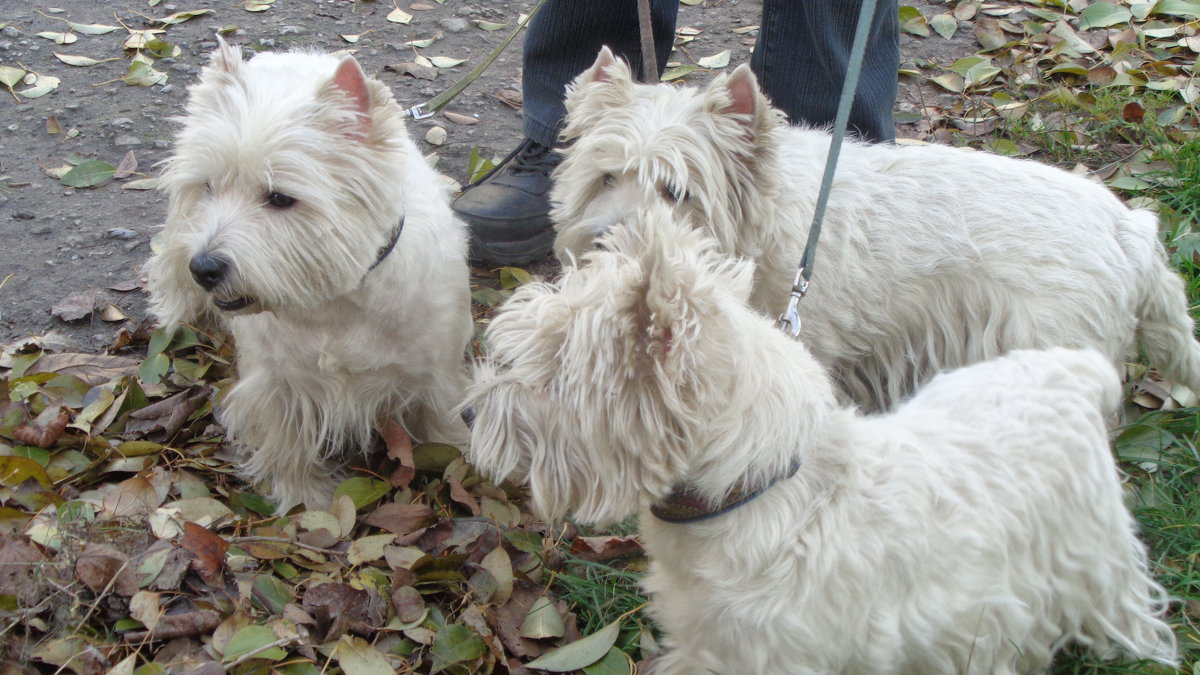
468, 417
207, 270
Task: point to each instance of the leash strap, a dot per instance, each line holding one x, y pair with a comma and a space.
649, 55
789, 321
434, 105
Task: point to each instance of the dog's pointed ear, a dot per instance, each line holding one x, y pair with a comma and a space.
599, 71
352, 82
739, 97
607, 83
226, 58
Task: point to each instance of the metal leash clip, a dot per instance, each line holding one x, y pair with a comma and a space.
789, 321
417, 112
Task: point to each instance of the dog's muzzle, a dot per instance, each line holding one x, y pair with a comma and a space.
208, 270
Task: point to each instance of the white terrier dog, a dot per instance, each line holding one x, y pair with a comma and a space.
978, 529
303, 217
930, 257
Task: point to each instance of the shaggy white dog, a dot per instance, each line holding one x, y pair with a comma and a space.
930, 257
303, 217
978, 529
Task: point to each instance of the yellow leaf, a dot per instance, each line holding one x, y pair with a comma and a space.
718, 60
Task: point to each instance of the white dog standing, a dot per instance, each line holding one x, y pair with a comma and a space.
930, 257
977, 530
303, 217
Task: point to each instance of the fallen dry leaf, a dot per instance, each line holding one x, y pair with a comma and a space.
45, 429
400, 518
75, 306
162, 420
510, 97
132, 497
20, 569
94, 369
209, 551
602, 549
100, 567
342, 607
182, 624
415, 69
127, 167
459, 118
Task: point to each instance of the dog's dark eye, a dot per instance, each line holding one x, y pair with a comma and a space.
280, 200
673, 193
609, 180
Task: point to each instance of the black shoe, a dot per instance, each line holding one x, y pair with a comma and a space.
509, 209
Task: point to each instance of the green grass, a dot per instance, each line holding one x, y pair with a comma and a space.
1091, 126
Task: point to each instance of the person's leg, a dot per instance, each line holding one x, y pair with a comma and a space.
564, 42
508, 212
801, 55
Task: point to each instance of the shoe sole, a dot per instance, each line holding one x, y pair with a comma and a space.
503, 253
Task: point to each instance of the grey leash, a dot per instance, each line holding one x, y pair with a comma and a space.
789, 321
434, 105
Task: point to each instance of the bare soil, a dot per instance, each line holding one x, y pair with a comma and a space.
56, 241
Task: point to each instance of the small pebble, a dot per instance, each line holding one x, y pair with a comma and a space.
453, 24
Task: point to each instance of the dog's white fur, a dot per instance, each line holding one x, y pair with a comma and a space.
327, 346
977, 529
930, 257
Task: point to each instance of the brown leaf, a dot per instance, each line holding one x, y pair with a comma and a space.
127, 286
45, 429
603, 549
506, 620
965, 11
127, 167
20, 570
399, 443
94, 369
408, 603
1133, 112
100, 567
459, 494
510, 97
459, 118
989, 33
402, 476
1102, 75
209, 550
400, 518
342, 607
183, 624
76, 306
160, 421
135, 496
414, 69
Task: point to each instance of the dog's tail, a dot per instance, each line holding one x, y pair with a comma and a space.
1165, 329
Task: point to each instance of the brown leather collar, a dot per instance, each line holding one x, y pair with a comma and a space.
684, 505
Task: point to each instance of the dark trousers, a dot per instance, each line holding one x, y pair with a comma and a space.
800, 58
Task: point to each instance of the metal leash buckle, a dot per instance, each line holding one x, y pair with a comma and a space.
789, 321
417, 113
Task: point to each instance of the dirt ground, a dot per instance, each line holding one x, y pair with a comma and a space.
57, 242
